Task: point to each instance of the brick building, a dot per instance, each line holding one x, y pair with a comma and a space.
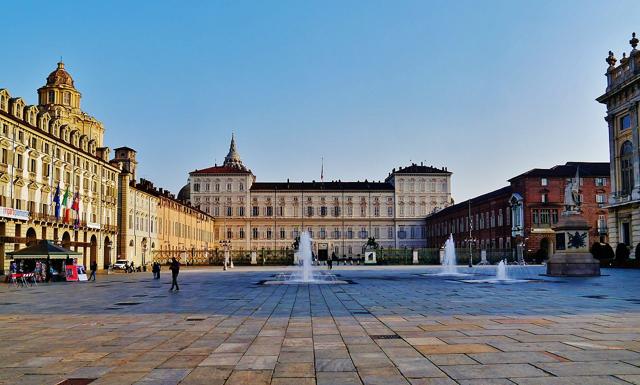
526, 210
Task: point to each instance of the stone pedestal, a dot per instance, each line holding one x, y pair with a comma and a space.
370, 257
254, 258
414, 255
572, 257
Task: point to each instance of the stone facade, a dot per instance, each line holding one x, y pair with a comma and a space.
341, 216
48, 145
152, 221
526, 210
621, 97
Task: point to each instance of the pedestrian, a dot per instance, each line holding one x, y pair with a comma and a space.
175, 269
330, 261
93, 266
132, 267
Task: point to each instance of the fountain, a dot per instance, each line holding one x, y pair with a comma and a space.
501, 276
304, 272
501, 271
449, 261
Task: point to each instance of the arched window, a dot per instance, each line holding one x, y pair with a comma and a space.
626, 168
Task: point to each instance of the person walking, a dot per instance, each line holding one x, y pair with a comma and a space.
93, 266
330, 261
175, 269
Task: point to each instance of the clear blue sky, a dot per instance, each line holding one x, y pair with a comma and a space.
487, 88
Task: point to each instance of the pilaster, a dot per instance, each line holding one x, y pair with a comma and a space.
612, 158
635, 228
636, 153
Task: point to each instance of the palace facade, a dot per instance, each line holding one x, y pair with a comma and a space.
153, 223
340, 216
52, 145
621, 97
525, 212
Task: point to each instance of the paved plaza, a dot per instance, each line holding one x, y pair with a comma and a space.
391, 325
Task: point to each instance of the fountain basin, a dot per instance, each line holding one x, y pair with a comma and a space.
294, 279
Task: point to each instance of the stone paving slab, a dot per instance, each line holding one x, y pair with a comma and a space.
392, 327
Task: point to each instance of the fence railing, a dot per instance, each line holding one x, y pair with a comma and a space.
268, 257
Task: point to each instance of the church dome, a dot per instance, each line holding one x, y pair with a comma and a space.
60, 77
185, 193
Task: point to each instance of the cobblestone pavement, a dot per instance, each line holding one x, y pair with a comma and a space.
390, 326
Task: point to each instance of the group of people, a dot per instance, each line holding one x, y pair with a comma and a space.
175, 270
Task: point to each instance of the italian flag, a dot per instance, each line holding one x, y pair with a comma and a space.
65, 201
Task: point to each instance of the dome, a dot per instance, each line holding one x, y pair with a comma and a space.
185, 193
60, 77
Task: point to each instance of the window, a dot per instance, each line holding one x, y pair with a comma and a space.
323, 211
269, 233
544, 198
66, 98
390, 232
217, 187
282, 233
52, 97
376, 211
600, 198
229, 233
196, 187
625, 122
255, 211
254, 233
389, 211
336, 211
626, 168
269, 211
323, 233
349, 233
336, 233
544, 182
241, 233
601, 182
241, 211
229, 211
309, 211
241, 187
5, 155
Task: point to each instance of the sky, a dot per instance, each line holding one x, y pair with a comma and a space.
489, 89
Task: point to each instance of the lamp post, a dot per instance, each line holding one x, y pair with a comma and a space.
470, 240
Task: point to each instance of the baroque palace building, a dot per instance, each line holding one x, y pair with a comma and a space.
45, 146
622, 97
340, 216
153, 224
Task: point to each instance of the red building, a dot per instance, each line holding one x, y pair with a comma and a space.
524, 212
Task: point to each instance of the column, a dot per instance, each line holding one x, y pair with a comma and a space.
613, 166
635, 194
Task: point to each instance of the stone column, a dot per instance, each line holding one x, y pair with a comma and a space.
635, 194
612, 227
635, 228
613, 166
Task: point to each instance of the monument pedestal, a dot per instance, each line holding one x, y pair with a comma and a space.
370, 257
414, 259
572, 257
254, 258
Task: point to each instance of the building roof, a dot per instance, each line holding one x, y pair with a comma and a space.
569, 169
421, 169
220, 170
322, 186
124, 148
59, 77
507, 191
185, 193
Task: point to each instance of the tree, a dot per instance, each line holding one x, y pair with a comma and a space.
622, 252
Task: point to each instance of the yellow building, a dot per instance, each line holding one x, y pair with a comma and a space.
153, 223
185, 232
50, 145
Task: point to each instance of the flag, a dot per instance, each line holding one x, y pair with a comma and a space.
56, 200
76, 202
322, 171
65, 200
